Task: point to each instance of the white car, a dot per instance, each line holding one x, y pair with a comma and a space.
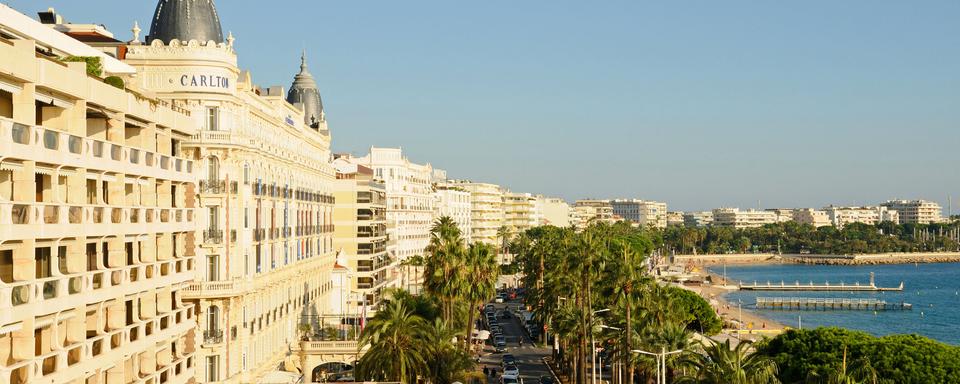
511, 371
510, 380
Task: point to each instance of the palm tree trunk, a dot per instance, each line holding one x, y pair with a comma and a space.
629, 330
470, 318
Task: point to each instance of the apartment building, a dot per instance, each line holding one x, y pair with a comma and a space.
814, 217
641, 212
98, 215
735, 218
520, 212
360, 238
454, 202
698, 219
674, 218
266, 250
487, 214
555, 211
589, 211
841, 216
916, 211
782, 215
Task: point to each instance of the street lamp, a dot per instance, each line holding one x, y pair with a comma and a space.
593, 344
601, 358
661, 362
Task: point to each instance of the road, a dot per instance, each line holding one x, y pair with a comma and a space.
529, 357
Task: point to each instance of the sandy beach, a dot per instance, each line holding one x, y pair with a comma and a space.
732, 314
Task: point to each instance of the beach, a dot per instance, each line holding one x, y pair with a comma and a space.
735, 318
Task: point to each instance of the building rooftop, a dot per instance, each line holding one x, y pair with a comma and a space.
185, 20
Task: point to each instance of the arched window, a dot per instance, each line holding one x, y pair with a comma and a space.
213, 168
213, 318
246, 174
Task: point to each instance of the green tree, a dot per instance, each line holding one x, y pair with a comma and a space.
396, 339
720, 363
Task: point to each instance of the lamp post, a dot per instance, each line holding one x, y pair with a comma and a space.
593, 345
661, 362
601, 359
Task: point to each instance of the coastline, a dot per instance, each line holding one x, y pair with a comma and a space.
736, 319
772, 258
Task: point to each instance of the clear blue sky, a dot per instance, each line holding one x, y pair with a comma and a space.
698, 103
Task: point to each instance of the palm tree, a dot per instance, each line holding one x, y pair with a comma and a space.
446, 362
719, 363
443, 264
396, 339
480, 272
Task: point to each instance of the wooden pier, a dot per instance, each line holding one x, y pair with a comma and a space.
823, 304
825, 287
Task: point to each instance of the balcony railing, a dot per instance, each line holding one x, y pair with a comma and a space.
213, 336
215, 187
213, 236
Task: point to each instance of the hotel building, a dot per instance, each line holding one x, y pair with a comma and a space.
266, 250
641, 212
98, 218
360, 238
782, 215
735, 218
487, 215
916, 211
674, 219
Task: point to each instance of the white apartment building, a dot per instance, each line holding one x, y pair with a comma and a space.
487, 215
410, 212
698, 219
589, 211
841, 216
674, 218
916, 211
555, 211
641, 212
98, 218
454, 202
734, 217
783, 215
814, 217
520, 212
266, 253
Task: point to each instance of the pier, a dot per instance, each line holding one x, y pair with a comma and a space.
822, 304
825, 287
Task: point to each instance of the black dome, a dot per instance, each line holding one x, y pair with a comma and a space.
305, 94
185, 20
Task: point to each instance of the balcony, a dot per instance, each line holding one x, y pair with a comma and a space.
215, 289
212, 337
213, 236
329, 347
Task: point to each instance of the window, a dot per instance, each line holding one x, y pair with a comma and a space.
213, 319
213, 267
213, 118
214, 217
213, 365
246, 174
213, 168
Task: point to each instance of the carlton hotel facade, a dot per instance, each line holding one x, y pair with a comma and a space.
175, 231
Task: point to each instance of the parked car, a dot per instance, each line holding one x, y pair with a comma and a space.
546, 380
509, 359
500, 343
510, 380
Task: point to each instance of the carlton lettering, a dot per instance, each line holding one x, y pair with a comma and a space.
205, 81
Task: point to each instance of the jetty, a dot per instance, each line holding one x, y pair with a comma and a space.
824, 304
825, 287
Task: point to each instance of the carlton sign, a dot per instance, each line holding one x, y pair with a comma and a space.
206, 80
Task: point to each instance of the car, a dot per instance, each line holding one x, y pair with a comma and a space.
488, 308
500, 343
509, 359
546, 380
499, 299
510, 380
511, 371
505, 315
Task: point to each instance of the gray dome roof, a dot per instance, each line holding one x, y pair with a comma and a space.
305, 94
185, 20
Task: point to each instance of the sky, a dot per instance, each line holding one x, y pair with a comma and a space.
700, 104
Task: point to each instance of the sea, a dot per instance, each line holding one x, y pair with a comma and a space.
933, 289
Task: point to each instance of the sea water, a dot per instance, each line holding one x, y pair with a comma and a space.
933, 289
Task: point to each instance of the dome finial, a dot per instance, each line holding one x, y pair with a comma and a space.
303, 61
